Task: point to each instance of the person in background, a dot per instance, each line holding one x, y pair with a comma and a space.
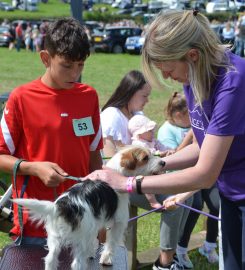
240, 36
176, 133
142, 130
177, 123
18, 36
36, 39
11, 37
129, 98
181, 45
126, 104
171, 134
228, 34
28, 37
53, 107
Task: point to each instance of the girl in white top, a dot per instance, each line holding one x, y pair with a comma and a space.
129, 98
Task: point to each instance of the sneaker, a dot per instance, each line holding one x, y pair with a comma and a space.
173, 266
184, 260
211, 255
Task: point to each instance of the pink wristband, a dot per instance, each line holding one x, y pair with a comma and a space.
130, 184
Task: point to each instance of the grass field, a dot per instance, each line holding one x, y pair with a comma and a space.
103, 72
52, 9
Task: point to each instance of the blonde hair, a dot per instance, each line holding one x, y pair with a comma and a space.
170, 36
176, 103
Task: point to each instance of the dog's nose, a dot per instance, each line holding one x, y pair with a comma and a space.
162, 163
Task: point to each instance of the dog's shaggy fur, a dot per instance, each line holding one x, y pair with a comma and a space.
76, 217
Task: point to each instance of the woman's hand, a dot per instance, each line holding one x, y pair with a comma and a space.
51, 174
113, 178
170, 202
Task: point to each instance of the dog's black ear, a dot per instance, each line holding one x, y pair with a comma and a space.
128, 160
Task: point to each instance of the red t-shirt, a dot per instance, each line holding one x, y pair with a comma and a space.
18, 31
44, 124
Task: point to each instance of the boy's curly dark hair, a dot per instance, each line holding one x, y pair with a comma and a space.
67, 37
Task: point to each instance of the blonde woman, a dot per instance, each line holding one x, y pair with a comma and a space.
181, 45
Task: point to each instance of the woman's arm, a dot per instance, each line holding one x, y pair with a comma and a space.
202, 175
184, 158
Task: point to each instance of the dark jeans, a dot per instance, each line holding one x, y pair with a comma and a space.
233, 234
212, 200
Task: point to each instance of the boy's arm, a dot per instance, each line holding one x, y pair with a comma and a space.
49, 173
95, 161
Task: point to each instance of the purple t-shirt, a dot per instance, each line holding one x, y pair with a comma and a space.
223, 114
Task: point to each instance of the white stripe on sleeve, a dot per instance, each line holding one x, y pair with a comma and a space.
7, 136
95, 142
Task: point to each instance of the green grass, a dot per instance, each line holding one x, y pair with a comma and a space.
52, 9
103, 72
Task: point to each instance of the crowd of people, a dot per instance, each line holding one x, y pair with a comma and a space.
233, 34
27, 35
179, 45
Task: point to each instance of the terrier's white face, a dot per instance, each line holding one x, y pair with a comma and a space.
135, 160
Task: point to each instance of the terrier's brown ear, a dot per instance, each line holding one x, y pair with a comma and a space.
128, 160
140, 155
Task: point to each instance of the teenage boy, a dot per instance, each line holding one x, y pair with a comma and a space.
52, 123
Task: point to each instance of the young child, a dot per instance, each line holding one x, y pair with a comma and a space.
53, 123
143, 130
176, 134
177, 123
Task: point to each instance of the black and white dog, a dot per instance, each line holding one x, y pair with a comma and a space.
76, 217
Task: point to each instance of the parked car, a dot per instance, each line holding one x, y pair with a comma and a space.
29, 5
112, 39
220, 6
91, 25
137, 13
125, 5
240, 5
4, 35
6, 6
139, 10
199, 4
134, 44
155, 6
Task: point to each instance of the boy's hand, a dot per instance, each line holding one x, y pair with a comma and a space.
50, 173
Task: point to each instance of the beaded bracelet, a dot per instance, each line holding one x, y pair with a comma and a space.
129, 184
